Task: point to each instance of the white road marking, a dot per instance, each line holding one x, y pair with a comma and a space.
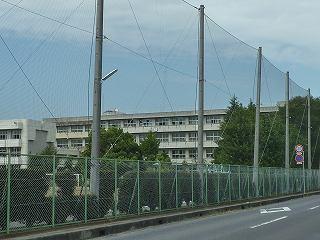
265, 223
314, 207
274, 210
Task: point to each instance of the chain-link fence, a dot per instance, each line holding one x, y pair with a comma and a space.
47, 191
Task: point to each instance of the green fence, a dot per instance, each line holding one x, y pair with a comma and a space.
46, 191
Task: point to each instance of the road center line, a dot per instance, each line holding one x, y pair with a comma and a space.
265, 223
314, 207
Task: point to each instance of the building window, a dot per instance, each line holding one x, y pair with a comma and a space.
193, 137
162, 121
62, 129
212, 136
178, 154
3, 150
163, 137
178, 137
103, 124
130, 123
116, 124
15, 151
16, 134
145, 123
62, 143
3, 135
76, 143
77, 128
193, 153
193, 120
210, 153
142, 137
88, 128
178, 121
213, 119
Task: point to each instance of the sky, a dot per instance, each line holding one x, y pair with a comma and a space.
287, 30
55, 58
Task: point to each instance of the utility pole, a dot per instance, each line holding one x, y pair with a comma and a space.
309, 129
257, 126
287, 151
96, 117
201, 86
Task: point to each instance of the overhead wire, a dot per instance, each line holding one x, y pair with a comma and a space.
191, 5
150, 56
218, 58
10, 9
46, 17
316, 145
300, 127
269, 135
230, 33
185, 29
2, 87
26, 76
146, 89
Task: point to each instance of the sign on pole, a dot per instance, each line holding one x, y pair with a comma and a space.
299, 158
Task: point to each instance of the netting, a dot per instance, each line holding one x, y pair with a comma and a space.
232, 68
156, 54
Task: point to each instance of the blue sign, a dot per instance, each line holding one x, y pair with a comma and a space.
299, 159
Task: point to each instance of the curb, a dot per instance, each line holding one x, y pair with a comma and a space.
101, 228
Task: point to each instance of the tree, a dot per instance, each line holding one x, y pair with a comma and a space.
237, 143
150, 149
299, 119
163, 157
235, 147
49, 151
115, 144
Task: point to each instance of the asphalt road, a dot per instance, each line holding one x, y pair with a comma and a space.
292, 220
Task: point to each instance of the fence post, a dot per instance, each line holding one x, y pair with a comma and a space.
218, 188
248, 181
8, 193
159, 183
192, 185
276, 176
264, 182
206, 184
229, 180
85, 190
176, 185
318, 179
138, 185
239, 172
270, 190
116, 188
53, 191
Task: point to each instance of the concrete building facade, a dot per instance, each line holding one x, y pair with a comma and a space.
24, 136
176, 131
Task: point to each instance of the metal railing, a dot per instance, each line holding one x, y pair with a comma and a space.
46, 191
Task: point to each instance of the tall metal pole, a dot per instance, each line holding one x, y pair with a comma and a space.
201, 85
257, 126
309, 129
287, 151
96, 118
